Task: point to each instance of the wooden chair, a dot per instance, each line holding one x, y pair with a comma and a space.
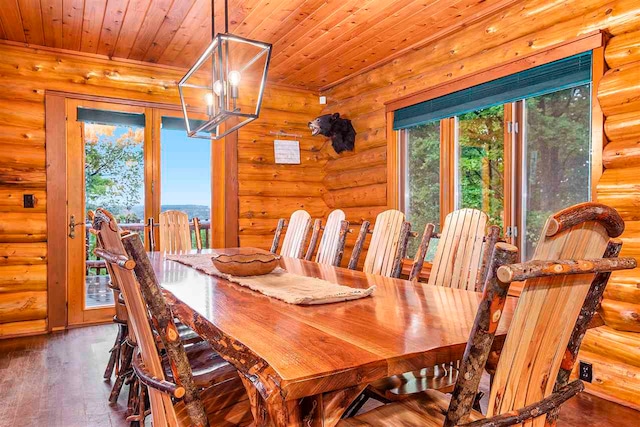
175, 232
463, 251
196, 232
334, 236
388, 244
296, 235
121, 354
177, 397
563, 286
461, 261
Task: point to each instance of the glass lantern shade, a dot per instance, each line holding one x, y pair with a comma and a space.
225, 86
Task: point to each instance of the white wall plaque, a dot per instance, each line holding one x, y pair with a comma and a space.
287, 152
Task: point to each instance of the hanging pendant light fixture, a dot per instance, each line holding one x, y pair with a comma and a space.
226, 83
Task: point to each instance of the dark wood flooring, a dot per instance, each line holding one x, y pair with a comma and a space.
56, 380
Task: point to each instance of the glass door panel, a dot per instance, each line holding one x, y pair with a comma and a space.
106, 167
556, 158
185, 174
421, 186
114, 179
480, 162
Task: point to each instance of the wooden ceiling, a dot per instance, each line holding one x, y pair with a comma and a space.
316, 43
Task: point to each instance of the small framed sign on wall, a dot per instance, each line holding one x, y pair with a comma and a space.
286, 152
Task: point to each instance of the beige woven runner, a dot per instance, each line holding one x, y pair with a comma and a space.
288, 287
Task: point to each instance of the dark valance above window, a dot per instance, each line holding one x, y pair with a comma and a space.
105, 117
547, 78
177, 123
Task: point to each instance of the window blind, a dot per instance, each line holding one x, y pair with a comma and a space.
105, 117
563, 74
177, 123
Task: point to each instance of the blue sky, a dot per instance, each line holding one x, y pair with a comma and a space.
185, 169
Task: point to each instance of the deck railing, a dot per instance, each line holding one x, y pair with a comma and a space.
98, 265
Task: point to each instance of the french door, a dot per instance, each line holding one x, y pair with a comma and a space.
135, 161
108, 165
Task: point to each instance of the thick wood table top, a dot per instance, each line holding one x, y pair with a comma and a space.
312, 349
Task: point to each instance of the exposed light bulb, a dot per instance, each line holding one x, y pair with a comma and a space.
234, 78
217, 87
209, 100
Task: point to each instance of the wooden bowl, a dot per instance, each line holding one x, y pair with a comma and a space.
244, 262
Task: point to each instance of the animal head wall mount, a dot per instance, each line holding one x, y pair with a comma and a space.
340, 131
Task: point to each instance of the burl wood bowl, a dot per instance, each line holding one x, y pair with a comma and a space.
245, 261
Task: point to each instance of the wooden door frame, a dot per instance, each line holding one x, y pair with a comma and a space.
57, 190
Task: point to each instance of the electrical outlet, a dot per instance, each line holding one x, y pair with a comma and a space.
586, 372
323, 100
29, 201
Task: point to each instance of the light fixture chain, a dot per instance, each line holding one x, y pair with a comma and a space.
226, 16
213, 19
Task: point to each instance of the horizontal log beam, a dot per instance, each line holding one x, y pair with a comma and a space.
369, 195
619, 90
21, 306
620, 315
618, 346
621, 154
356, 178
623, 49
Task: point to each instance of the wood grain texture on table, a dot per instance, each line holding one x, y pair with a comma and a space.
403, 326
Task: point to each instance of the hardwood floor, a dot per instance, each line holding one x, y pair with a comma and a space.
56, 380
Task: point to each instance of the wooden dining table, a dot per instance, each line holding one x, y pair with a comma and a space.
304, 365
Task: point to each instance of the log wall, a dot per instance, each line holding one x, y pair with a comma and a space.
356, 181
267, 192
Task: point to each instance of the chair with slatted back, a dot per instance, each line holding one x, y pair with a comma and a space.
295, 237
460, 255
177, 396
563, 286
387, 247
461, 261
174, 231
121, 353
334, 236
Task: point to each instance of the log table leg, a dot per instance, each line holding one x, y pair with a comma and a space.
321, 410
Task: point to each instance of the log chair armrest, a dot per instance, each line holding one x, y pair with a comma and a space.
276, 237
313, 243
120, 260
359, 244
421, 253
154, 382
544, 406
532, 269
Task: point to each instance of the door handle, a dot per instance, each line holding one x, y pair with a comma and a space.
72, 227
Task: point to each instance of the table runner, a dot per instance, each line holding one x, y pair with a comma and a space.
279, 284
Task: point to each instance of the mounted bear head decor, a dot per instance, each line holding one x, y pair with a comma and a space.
340, 131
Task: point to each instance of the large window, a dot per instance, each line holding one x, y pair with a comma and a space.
480, 162
422, 176
556, 158
518, 160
